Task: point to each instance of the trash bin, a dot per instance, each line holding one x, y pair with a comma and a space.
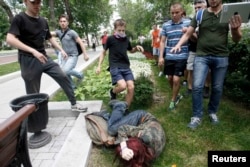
38, 120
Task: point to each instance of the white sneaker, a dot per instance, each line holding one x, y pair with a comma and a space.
78, 107
160, 73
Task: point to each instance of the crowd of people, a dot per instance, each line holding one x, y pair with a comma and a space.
181, 44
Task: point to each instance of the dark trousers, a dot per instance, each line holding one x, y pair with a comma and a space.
32, 70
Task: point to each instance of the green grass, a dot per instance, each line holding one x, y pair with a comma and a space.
13, 67
9, 68
186, 147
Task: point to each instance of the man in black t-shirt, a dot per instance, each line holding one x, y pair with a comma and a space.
119, 65
27, 33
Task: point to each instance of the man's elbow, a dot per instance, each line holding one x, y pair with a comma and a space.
9, 39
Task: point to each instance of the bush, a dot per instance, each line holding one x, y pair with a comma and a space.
143, 95
146, 44
237, 81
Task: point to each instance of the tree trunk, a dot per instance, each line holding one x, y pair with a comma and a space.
67, 6
52, 14
7, 10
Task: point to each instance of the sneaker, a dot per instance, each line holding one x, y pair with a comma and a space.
214, 119
195, 122
112, 95
171, 106
79, 108
206, 92
178, 99
160, 74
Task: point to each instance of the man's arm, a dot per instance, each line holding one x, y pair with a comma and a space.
12, 40
53, 33
235, 23
162, 47
101, 58
56, 45
79, 41
137, 48
183, 39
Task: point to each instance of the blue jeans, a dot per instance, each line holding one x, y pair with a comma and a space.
118, 118
218, 67
68, 66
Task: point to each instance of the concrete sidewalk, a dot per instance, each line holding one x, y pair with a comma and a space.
12, 85
70, 143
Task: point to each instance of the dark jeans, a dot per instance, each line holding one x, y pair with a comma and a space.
118, 118
32, 70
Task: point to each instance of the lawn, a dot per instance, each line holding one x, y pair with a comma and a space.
13, 67
185, 147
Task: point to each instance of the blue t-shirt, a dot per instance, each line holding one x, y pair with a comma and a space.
173, 33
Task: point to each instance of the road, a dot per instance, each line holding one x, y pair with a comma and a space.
11, 56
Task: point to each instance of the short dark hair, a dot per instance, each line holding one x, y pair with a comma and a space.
200, 1
64, 16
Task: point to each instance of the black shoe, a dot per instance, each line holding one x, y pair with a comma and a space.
112, 95
206, 92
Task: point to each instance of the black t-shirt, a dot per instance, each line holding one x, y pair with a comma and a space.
192, 46
118, 48
31, 31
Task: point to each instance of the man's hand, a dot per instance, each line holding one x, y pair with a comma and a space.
175, 49
64, 54
86, 57
41, 57
139, 48
161, 61
98, 70
235, 22
127, 153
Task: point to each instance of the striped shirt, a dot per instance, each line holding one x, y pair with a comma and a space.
173, 33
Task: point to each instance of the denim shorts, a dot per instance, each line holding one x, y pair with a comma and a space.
156, 51
121, 73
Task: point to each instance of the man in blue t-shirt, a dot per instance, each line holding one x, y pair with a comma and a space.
175, 63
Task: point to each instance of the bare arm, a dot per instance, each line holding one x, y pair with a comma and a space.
101, 58
57, 46
53, 33
15, 42
183, 39
78, 40
137, 48
162, 48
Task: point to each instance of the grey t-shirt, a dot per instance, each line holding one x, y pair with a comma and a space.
68, 41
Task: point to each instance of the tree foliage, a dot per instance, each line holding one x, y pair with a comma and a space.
85, 16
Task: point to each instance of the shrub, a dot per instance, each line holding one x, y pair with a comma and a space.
144, 89
237, 81
146, 44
